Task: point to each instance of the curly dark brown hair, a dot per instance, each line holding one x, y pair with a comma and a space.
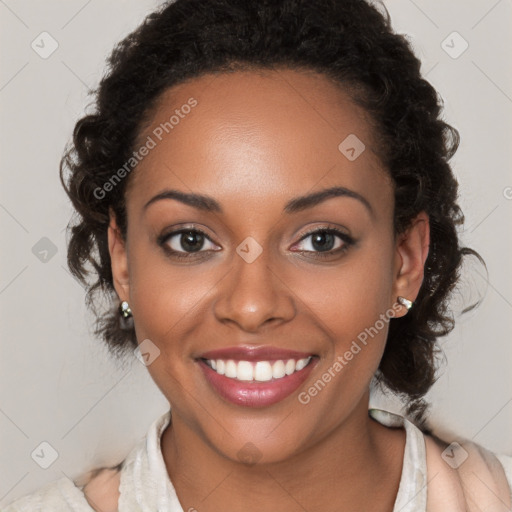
348, 41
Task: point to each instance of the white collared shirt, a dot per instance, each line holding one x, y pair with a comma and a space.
145, 484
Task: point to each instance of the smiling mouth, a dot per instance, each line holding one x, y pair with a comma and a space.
258, 371
258, 380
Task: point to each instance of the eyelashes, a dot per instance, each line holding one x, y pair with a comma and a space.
327, 236
193, 243
175, 243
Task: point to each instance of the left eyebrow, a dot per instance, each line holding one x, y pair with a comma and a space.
308, 201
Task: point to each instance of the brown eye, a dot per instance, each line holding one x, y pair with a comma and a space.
191, 241
324, 240
188, 241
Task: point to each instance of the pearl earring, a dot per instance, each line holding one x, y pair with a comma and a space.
406, 303
124, 310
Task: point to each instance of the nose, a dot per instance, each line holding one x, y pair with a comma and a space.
253, 296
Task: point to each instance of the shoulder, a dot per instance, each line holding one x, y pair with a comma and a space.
461, 476
466, 476
61, 495
97, 491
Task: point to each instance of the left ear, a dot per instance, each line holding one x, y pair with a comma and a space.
411, 252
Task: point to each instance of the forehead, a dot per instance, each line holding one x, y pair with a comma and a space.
267, 133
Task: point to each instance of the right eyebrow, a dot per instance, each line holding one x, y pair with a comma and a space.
198, 201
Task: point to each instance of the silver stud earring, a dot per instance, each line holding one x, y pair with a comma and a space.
406, 303
124, 310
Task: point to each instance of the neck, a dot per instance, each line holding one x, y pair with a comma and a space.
358, 455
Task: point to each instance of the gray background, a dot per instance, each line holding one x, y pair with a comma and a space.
58, 384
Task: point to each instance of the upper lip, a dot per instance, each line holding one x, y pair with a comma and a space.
249, 353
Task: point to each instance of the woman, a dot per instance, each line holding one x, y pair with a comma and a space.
265, 196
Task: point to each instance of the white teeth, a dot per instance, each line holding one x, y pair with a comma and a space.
301, 363
231, 369
221, 366
290, 367
261, 371
278, 370
244, 371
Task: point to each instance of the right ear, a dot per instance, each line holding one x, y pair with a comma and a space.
118, 259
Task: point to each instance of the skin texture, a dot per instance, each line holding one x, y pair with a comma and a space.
254, 141
102, 490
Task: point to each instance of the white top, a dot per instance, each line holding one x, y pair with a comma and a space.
145, 485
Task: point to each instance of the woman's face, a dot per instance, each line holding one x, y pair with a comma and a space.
288, 254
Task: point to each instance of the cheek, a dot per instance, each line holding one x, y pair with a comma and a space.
165, 298
162, 294
168, 304
349, 298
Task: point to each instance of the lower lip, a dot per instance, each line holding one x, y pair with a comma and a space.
252, 393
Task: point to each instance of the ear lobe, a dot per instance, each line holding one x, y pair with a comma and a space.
118, 259
411, 253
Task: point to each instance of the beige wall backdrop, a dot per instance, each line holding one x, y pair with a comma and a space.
58, 385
